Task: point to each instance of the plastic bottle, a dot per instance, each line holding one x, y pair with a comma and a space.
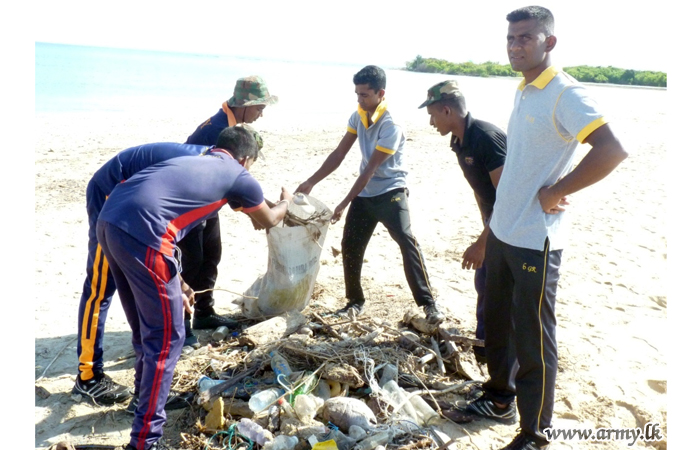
252, 431
280, 365
425, 413
373, 441
390, 372
342, 441
322, 390
357, 433
286, 407
282, 442
306, 387
205, 383
399, 397
306, 405
262, 399
220, 333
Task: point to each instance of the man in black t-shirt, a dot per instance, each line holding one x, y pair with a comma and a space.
481, 151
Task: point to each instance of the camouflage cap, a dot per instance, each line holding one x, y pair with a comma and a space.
441, 91
257, 137
251, 91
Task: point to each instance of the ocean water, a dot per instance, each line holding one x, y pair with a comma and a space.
91, 79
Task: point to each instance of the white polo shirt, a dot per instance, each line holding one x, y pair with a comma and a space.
550, 117
385, 136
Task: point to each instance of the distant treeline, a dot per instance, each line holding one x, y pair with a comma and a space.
590, 74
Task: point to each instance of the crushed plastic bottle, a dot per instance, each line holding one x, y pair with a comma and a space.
399, 397
374, 441
306, 406
323, 390
252, 431
357, 433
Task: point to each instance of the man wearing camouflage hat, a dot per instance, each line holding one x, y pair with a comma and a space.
201, 248
250, 97
481, 152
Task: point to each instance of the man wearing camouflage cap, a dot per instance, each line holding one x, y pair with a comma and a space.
201, 248
481, 152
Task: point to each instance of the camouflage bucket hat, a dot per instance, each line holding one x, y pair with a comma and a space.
251, 91
257, 137
441, 91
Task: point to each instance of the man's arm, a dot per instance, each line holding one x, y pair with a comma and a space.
376, 160
269, 217
473, 257
256, 225
330, 164
605, 155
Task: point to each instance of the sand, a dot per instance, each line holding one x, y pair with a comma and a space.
611, 305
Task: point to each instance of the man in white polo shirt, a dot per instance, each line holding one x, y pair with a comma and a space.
551, 115
379, 195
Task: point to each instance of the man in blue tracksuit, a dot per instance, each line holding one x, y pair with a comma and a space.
139, 228
99, 287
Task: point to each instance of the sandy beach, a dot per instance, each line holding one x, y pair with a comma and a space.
611, 302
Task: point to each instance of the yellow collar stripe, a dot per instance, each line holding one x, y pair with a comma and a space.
378, 113
543, 79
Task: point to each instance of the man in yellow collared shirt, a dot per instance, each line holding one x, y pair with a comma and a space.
552, 113
379, 194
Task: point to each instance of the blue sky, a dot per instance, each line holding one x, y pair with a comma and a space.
389, 33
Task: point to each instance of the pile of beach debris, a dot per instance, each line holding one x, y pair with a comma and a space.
322, 381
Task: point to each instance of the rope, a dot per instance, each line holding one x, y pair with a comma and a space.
231, 434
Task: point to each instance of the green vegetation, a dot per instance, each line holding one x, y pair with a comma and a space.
589, 74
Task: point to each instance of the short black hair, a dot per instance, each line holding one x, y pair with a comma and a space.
373, 76
542, 15
239, 142
455, 102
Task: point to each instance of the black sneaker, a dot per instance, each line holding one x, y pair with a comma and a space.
212, 321
351, 309
524, 441
102, 390
175, 401
484, 407
433, 314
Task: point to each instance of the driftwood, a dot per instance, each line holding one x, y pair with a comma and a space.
446, 335
272, 330
326, 327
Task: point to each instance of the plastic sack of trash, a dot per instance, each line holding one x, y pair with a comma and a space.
293, 262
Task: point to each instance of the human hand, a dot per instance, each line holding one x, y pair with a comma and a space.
550, 201
187, 296
286, 195
338, 213
473, 257
305, 187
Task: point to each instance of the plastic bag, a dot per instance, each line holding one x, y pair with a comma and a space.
293, 262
